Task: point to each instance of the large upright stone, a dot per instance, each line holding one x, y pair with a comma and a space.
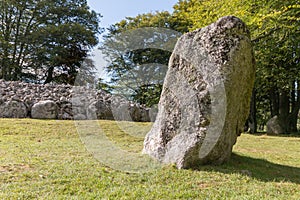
206, 96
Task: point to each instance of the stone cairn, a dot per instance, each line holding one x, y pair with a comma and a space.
26, 100
206, 96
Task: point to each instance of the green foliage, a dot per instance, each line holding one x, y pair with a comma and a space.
139, 55
45, 41
45, 159
274, 26
158, 19
102, 85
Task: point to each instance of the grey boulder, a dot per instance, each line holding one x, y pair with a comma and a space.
206, 96
274, 127
44, 110
13, 109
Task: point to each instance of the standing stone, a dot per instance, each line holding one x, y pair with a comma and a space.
206, 96
44, 110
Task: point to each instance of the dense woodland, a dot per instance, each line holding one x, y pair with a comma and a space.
49, 41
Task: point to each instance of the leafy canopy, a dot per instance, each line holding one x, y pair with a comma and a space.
45, 41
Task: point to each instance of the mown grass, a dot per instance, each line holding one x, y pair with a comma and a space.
47, 160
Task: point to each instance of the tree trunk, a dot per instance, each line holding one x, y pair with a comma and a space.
252, 122
49, 77
284, 111
295, 102
274, 101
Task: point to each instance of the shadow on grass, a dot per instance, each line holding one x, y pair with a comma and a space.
259, 169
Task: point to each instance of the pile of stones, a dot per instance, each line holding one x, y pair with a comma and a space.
48, 101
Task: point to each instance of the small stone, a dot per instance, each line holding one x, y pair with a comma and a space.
63, 99
79, 117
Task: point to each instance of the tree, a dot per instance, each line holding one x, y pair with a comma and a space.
139, 55
102, 85
46, 41
279, 56
16, 24
274, 26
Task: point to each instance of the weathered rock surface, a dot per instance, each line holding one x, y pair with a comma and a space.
44, 110
20, 100
206, 96
274, 127
13, 109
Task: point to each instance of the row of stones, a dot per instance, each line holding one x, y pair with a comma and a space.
22, 100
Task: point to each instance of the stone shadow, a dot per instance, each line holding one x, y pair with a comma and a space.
259, 169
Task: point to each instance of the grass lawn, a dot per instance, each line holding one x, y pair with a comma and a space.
47, 160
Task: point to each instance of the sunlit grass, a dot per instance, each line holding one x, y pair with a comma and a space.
47, 160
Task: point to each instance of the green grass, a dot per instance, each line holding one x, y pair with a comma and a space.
47, 160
